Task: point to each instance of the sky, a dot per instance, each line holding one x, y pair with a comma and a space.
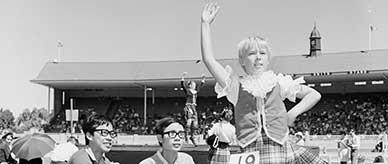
155, 30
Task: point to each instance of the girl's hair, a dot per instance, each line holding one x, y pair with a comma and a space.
253, 43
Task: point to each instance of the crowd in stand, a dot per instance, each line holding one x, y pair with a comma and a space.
367, 114
126, 119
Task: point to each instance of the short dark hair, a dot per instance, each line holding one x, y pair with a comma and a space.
6, 135
163, 123
93, 122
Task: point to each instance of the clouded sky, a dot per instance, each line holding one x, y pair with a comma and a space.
138, 30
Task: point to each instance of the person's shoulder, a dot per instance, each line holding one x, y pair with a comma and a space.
80, 157
147, 161
230, 126
80, 153
185, 157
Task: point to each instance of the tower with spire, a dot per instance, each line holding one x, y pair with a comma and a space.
315, 42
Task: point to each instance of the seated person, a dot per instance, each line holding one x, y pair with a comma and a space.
99, 136
170, 135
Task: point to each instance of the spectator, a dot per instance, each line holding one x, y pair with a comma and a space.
5, 149
343, 148
170, 135
225, 133
62, 152
99, 136
355, 143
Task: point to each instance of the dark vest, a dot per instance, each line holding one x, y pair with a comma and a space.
252, 114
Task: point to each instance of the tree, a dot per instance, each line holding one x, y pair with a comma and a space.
37, 118
6, 119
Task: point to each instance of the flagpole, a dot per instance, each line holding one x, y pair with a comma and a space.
370, 37
59, 46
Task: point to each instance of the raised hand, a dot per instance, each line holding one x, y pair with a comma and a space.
203, 77
209, 13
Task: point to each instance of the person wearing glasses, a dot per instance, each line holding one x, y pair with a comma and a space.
170, 135
5, 149
99, 137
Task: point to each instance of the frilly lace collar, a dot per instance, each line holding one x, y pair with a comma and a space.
260, 85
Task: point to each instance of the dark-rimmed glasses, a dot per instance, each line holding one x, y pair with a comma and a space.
105, 133
173, 134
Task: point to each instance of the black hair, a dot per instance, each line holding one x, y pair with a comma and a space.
162, 124
6, 135
93, 122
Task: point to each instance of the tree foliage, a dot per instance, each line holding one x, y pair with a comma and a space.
35, 118
6, 119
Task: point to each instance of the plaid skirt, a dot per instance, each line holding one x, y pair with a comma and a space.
274, 153
219, 156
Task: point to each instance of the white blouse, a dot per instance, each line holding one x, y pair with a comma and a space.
225, 132
259, 86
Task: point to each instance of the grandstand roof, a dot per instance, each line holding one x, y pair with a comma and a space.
326, 67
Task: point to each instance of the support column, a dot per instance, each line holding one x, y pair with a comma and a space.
48, 100
145, 105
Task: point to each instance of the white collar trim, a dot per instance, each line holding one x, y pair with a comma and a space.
259, 86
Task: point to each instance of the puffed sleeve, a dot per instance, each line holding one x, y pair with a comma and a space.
289, 87
212, 130
231, 86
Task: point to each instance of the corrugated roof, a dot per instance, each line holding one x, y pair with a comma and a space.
333, 62
149, 71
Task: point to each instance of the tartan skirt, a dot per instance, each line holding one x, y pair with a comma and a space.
274, 153
219, 155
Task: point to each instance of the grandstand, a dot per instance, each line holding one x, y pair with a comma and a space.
353, 84
102, 86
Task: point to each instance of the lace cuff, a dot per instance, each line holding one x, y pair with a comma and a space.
230, 90
289, 87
